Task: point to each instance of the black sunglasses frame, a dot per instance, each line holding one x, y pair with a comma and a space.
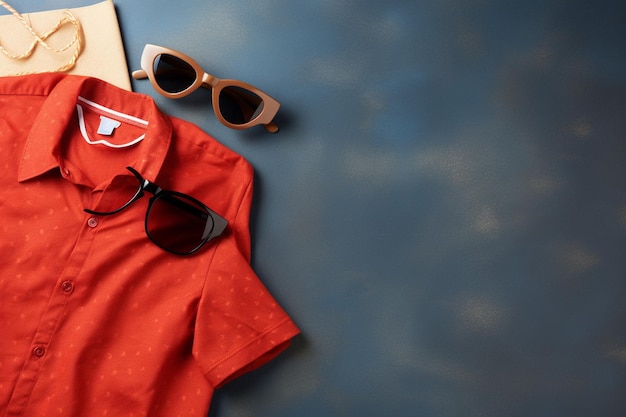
219, 223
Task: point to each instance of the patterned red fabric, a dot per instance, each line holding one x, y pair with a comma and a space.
95, 319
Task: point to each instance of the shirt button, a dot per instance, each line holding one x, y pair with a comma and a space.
67, 287
39, 351
92, 222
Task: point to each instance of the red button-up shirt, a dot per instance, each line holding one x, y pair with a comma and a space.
95, 319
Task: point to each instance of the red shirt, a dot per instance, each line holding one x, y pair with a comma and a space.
95, 319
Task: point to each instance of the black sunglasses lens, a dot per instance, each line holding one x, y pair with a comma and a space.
173, 74
177, 223
238, 105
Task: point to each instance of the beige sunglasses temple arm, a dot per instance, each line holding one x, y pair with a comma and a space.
271, 127
140, 74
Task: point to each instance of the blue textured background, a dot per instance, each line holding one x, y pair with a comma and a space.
443, 212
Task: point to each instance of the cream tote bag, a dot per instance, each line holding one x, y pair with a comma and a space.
84, 41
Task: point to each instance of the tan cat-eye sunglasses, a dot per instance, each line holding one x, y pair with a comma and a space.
237, 105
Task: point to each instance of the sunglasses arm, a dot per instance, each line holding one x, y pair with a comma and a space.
140, 74
271, 127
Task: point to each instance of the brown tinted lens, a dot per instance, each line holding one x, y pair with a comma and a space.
173, 74
238, 105
177, 223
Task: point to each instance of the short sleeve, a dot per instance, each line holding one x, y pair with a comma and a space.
239, 325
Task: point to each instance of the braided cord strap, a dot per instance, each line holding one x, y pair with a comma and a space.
77, 40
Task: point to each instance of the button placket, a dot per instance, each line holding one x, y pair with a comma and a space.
37, 353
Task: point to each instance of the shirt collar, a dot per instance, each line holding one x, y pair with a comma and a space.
42, 149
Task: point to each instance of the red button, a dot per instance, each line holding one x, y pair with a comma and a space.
39, 351
92, 222
67, 286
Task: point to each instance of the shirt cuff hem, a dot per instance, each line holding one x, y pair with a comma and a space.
253, 354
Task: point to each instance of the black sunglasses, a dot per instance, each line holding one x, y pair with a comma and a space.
175, 222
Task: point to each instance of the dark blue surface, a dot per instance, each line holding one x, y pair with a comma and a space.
443, 212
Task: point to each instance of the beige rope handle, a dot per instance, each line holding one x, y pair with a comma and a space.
68, 17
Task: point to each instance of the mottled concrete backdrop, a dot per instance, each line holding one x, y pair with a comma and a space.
444, 209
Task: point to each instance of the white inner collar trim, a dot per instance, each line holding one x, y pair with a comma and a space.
114, 114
